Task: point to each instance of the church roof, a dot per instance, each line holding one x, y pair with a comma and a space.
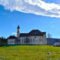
12, 37
33, 33
23, 34
36, 32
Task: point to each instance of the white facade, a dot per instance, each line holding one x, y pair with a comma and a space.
33, 40
11, 41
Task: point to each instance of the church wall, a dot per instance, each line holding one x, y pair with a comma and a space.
33, 40
22, 39
11, 41
29, 40
37, 40
44, 39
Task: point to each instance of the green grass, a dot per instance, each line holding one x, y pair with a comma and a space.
26, 52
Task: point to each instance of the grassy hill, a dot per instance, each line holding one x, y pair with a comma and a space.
26, 52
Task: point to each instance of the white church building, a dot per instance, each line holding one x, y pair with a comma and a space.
33, 37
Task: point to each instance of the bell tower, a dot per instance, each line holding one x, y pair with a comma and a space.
18, 31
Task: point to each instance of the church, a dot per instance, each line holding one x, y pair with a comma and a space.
33, 37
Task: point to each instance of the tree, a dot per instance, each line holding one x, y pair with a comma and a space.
3, 41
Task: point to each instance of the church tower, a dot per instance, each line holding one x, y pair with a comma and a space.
18, 31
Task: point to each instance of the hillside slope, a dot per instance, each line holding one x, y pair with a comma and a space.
30, 53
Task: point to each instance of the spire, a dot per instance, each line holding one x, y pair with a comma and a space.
18, 27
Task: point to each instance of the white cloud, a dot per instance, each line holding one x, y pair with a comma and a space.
38, 7
14, 33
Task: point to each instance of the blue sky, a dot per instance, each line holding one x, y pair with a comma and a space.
38, 17
53, 1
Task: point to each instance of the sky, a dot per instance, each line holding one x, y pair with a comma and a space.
43, 15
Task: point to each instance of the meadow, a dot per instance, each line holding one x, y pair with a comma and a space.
29, 52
